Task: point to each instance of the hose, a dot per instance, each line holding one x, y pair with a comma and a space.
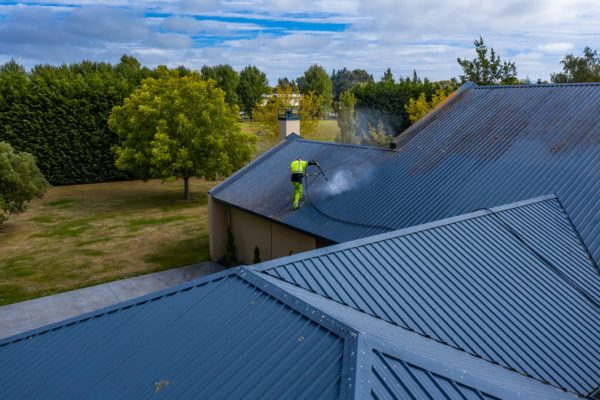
345, 221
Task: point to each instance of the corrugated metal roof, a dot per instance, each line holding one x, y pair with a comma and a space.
435, 370
222, 338
488, 147
470, 283
238, 335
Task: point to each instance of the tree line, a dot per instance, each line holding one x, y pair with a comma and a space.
94, 121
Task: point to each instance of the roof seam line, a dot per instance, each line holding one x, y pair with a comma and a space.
524, 373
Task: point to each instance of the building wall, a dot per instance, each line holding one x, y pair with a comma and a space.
249, 231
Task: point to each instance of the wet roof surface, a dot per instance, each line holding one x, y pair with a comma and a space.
488, 147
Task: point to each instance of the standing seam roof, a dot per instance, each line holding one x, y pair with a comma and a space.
470, 284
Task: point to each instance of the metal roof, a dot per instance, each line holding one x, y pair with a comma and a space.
397, 363
244, 334
219, 338
508, 285
487, 147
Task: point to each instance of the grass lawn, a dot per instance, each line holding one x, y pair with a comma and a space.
83, 235
327, 130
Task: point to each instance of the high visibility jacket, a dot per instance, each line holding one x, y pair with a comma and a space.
298, 166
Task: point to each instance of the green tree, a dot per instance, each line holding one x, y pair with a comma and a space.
20, 181
179, 127
347, 119
252, 86
579, 69
344, 79
266, 114
484, 70
285, 82
317, 81
377, 136
59, 114
417, 108
388, 76
227, 79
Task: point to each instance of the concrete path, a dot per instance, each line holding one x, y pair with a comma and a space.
22, 317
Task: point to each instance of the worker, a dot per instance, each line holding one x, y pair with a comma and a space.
298, 168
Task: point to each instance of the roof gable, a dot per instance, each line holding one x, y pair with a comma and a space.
470, 283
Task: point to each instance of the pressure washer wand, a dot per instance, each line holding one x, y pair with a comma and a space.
322, 172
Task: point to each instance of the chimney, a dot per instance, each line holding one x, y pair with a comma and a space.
289, 121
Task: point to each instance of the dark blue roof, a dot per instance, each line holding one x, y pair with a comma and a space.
221, 338
513, 286
489, 146
249, 334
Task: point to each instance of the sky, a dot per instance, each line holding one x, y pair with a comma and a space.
284, 37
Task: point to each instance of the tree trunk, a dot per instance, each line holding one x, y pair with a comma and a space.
186, 187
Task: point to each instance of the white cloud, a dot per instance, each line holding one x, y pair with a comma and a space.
427, 35
181, 24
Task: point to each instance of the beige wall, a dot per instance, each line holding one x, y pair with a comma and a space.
273, 240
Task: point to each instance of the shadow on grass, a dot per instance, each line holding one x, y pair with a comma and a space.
180, 253
61, 203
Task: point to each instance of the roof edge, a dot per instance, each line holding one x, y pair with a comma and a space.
118, 306
237, 174
405, 136
535, 85
400, 232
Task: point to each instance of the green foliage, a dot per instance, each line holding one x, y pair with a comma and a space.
384, 102
174, 126
226, 78
417, 108
387, 77
377, 136
285, 82
20, 181
317, 81
252, 86
347, 119
59, 114
488, 71
266, 114
579, 69
344, 79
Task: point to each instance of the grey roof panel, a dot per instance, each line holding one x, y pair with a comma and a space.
224, 338
435, 365
471, 284
488, 147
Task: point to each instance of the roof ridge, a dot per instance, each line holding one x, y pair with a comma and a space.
355, 146
425, 336
401, 232
535, 85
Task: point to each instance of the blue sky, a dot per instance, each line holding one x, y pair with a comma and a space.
285, 37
